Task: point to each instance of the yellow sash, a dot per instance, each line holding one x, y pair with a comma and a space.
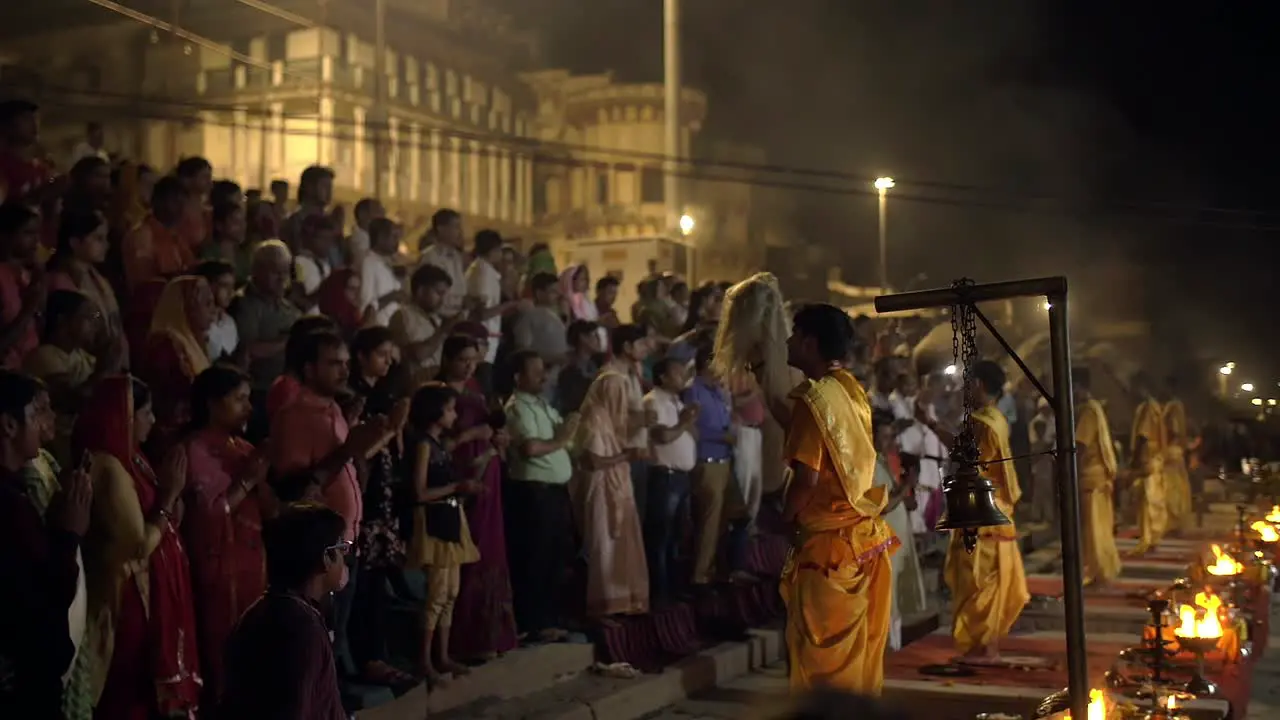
840, 408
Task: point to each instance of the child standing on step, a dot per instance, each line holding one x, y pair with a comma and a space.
441, 542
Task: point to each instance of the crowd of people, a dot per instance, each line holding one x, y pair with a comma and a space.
221, 406
235, 425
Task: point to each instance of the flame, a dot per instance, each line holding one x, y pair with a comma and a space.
1170, 703
1223, 564
1266, 531
1200, 620
1274, 515
1097, 706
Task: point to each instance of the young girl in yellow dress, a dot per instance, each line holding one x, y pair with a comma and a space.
441, 542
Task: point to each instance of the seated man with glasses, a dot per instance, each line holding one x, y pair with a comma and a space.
279, 662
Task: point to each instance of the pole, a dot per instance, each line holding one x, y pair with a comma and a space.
884, 242
671, 110
946, 297
379, 114
1068, 483
1064, 415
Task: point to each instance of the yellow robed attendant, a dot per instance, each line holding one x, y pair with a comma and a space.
1096, 460
989, 585
837, 583
1147, 461
1177, 482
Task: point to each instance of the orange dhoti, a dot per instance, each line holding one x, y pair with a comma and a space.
839, 600
989, 585
988, 588
838, 582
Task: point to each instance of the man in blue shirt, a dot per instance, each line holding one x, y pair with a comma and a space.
717, 501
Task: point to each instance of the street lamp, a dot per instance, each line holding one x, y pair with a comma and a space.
1246, 387
1257, 401
883, 186
1226, 369
686, 224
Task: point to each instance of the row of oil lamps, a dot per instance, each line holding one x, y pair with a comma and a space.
1198, 622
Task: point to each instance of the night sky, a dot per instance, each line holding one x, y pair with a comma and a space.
1132, 146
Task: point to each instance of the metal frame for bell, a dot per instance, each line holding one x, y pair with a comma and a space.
970, 497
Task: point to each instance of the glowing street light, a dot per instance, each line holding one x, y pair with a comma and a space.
686, 224
949, 370
1226, 369
1271, 402
1256, 401
1247, 387
1046, 306
883, 186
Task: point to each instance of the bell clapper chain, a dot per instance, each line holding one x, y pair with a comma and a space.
964, 349
970, 502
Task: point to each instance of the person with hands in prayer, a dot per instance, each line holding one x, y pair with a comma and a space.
36, 647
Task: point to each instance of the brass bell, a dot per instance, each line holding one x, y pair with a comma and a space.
970, 497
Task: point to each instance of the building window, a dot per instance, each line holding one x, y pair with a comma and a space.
539, 196
602, 188
651, 185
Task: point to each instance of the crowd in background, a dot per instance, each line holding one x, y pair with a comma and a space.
184, 360
219, 406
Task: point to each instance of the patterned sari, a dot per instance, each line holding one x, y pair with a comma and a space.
228, 566
141, 617
484, 620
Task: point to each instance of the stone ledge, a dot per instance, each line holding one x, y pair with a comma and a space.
520, 672
588, 696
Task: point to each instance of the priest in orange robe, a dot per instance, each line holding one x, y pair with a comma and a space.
837, 584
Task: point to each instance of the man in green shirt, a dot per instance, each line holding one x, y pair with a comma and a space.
538, 495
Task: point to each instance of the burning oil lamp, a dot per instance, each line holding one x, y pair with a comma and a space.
1223, 564
1274, 515
1057, 706
1097, 706
1199, 631
1142, 671
1166, 710
1266, 531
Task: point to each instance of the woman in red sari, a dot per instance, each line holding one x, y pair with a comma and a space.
484, 624
142, 628
175, 353
226, 499
339, 298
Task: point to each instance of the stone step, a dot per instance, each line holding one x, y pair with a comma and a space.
591, 696
524, 672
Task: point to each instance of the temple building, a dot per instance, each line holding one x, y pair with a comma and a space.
278, 91
471, 122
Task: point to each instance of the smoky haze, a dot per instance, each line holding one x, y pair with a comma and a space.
982, 107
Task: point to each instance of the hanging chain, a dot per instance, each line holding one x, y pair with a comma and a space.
964, 347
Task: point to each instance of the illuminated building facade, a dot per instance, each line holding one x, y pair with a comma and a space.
296, 86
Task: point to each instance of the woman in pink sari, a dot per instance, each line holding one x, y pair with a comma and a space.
226, 497
142, 627
484, 623
575, 287
617, 572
